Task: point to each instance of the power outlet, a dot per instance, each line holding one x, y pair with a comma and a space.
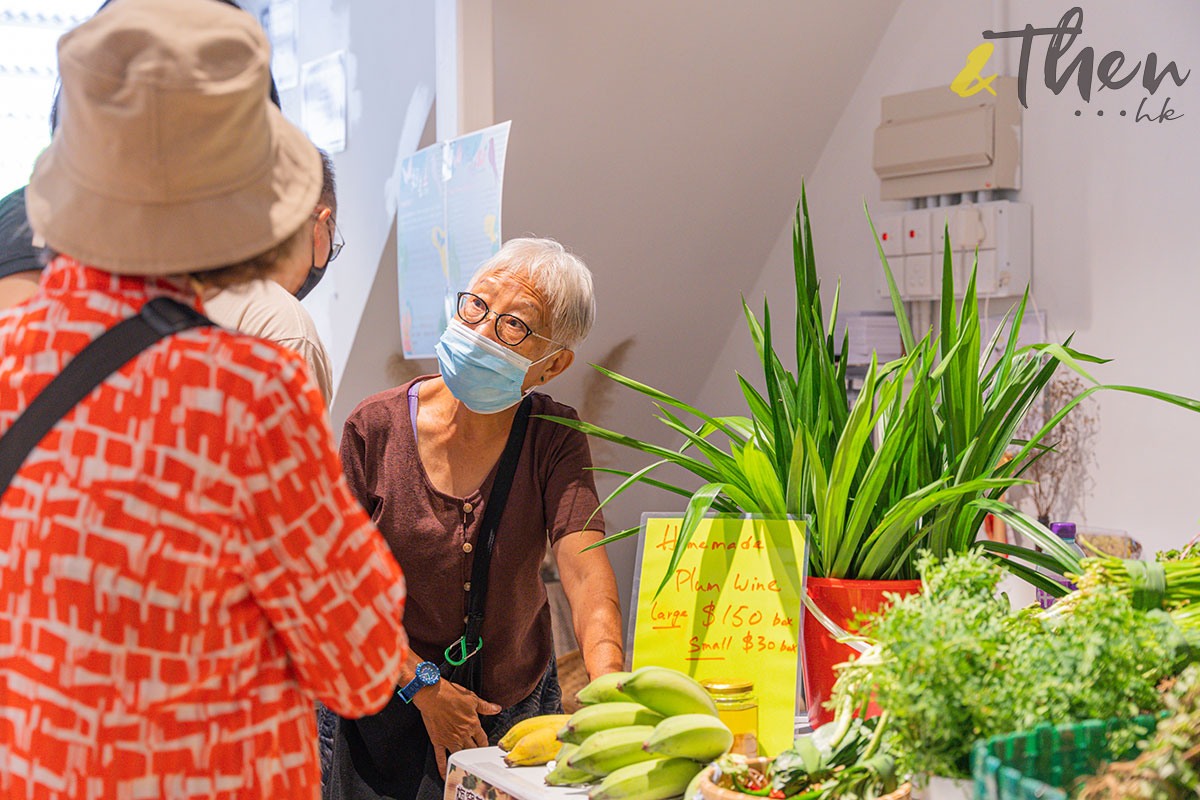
918, 276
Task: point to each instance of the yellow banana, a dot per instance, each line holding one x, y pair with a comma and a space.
648, 780
695, 736
602, 716
527, 726
607, 751
564, 774
668, 692
603, 690
538, 747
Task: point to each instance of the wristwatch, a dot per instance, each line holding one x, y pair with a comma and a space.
427, 675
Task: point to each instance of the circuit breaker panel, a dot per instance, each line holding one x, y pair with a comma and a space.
914, 244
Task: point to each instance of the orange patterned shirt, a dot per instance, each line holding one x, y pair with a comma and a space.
182, 565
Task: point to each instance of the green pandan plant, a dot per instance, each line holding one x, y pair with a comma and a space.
914, 463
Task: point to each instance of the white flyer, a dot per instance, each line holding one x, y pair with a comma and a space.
323, 101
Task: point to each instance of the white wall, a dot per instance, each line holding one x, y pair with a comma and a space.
390, 83
660, 140
1115, 233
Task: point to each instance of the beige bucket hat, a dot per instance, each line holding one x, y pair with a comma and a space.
169, 157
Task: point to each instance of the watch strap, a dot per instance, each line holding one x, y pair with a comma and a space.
410, 689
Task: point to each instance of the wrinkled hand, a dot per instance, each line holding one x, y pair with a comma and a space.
451, 715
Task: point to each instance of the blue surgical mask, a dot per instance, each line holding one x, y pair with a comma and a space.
483, 375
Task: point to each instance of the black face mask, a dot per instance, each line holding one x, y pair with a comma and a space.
315, 274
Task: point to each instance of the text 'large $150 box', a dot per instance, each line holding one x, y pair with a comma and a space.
730, 609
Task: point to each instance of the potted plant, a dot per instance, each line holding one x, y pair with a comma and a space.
915, 461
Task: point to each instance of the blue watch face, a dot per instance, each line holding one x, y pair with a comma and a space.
428, 673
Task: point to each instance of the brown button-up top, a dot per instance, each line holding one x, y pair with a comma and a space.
435, 536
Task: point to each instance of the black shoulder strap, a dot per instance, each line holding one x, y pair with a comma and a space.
497, 500
158, 319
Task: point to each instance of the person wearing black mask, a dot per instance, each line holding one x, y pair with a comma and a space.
269, 307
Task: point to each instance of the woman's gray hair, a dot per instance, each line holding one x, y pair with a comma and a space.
559, 276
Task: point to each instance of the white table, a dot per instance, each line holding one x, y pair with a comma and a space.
519, 783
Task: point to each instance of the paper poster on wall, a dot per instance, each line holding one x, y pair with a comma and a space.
323, 102
448, 224
282, 21
731, 610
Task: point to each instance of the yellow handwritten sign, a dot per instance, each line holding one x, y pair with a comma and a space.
731, 610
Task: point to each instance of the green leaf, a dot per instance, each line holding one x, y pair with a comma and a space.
1034, 557
616, 537
758, 406
778, 413
1030, 576
761, 476
1052, 546
692, 465
894, 534
738, 429
697, 507
723, 506
845, 467
724, 463
630, 481
795, 491
663, 397
949, 321
906, 336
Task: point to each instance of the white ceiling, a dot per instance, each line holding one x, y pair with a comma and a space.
665, 142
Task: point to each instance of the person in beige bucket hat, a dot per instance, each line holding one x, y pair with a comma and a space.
171, 135
183, 567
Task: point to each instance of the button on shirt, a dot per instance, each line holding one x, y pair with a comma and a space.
182, 566
435, 536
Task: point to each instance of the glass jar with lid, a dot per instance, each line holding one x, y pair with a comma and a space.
737, 706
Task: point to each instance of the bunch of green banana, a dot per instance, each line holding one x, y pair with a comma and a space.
648, 780
607, 751
564, 774
695, 736
528, 726
667, 691
603, 690
539, 747
602, 716
643, 735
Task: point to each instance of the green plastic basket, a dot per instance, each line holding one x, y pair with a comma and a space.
1043, 763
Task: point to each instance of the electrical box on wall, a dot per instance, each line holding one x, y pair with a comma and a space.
933, 142
914, 243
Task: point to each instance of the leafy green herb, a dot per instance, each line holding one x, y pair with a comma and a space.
1171, 583
954, 664
1169, 765
839, 760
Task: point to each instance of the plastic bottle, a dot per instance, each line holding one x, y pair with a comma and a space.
1066, 532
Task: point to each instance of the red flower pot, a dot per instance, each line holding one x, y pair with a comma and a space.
842, 601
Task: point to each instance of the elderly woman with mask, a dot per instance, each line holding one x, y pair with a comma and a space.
428, 460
